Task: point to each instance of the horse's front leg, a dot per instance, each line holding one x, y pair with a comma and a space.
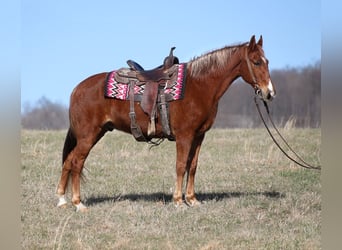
183, 146
190, 196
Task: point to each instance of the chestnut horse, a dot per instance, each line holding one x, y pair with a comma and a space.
207, 79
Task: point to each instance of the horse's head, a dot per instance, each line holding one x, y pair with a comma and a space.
254, 70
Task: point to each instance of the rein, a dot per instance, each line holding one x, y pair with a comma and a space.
300, 161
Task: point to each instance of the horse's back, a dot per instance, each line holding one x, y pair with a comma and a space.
90, 84
87, 101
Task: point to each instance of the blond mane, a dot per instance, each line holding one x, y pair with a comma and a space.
215, 60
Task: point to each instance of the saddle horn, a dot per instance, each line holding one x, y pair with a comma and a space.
170, 59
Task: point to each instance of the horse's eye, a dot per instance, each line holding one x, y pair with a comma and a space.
257, 63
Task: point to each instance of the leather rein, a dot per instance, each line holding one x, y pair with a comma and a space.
299, 160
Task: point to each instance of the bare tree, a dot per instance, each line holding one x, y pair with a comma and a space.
45, 115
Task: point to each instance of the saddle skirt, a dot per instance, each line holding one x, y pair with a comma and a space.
117, 87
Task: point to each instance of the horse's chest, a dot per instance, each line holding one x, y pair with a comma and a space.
209, 119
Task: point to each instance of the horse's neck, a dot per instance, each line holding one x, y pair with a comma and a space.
232, 73
216, 81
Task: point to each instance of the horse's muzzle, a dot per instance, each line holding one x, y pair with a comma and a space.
267, 95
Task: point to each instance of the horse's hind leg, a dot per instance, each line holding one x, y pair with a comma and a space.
73, 166
63, 182
80, 154
69, 145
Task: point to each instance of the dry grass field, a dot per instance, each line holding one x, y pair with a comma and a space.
252, 196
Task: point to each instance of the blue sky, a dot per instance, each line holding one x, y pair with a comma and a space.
64, 42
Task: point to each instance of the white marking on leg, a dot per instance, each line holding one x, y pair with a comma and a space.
62, 201
80, 207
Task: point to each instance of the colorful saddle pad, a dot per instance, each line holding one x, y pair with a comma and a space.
117, 90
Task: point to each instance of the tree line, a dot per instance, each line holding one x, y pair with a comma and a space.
45, 115
298, 100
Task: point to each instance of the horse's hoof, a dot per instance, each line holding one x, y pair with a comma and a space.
178, 203
81, 208
65, 205
62, 202
193, 202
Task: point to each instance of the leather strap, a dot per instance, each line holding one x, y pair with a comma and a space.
164, 113
250, 67
135, 128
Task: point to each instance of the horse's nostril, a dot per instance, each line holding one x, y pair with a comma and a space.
269, 96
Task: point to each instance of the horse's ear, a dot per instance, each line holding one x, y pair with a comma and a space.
260, 41
252, 42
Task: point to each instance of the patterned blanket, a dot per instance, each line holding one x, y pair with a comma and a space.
120, 91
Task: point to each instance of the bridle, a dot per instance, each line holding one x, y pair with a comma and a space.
249, 65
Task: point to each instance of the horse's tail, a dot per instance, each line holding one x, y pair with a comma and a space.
69, 144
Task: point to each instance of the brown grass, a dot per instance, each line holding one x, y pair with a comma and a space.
252, 196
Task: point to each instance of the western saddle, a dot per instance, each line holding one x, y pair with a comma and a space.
155, 80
